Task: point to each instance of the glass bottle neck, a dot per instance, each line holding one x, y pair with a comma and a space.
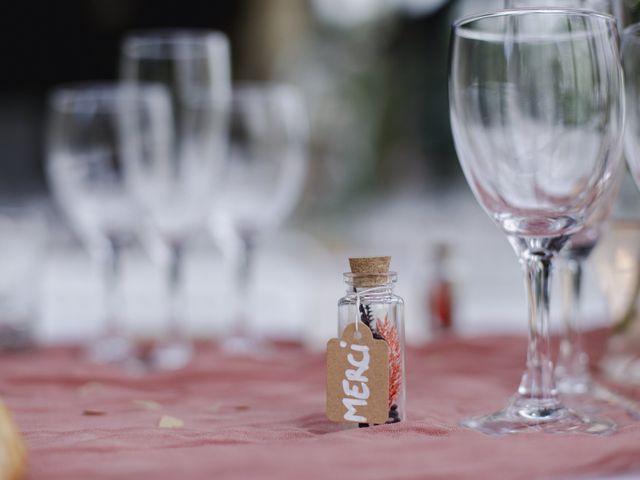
370, 283
375, 291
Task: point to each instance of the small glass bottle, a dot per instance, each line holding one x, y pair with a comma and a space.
370, 293
440, 294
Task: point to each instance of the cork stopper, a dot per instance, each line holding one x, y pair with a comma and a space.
370, 271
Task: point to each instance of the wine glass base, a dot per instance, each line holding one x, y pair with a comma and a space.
521, 416
573, 384
171, 355
110, 349
587, 395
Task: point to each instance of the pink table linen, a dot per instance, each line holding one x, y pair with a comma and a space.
263, 419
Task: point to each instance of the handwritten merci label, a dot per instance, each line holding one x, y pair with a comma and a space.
357, 377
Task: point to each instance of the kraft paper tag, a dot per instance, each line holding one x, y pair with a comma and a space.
357, 377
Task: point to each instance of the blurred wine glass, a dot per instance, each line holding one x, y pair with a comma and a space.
85, 167
617, 259
23, 238
631, 64
175, 191
540, 151
573, 375
572, 366
266, 172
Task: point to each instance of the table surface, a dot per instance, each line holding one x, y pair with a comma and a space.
263, 418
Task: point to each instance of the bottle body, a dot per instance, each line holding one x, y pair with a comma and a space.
440, 294
383, 313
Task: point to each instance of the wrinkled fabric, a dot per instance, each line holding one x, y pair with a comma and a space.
262, 418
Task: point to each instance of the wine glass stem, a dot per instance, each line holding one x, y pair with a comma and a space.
243, 285
111, 272
537, 382
572, 360
175, 291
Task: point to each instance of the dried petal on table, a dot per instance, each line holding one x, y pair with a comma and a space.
93, 412
147, 404
89, 388
167, 421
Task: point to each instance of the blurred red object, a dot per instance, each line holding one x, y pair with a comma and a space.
440, 295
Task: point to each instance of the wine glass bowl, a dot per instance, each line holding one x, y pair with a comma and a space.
194, 68
85, 165
537, 116
518, 137
266, 169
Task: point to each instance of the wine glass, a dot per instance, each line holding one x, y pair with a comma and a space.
630, 51
85, 167
530, 89
175, 191
572, 373
266, 171
572, 367
617, 261
631, 63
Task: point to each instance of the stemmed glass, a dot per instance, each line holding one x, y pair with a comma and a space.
85, 166
529, 90
572, 366
266, 171
572, 373
618, 260
572, 369
631, 63
176, 191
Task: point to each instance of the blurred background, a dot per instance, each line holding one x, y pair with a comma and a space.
383, 177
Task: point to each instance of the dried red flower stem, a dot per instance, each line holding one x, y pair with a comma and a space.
390, 333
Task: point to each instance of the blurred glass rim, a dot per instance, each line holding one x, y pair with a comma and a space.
169, 44
463, 27
286, 98
632, 33
91, 97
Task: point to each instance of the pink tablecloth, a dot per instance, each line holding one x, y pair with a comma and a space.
254, 419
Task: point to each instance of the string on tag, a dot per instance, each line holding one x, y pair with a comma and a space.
358, 302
